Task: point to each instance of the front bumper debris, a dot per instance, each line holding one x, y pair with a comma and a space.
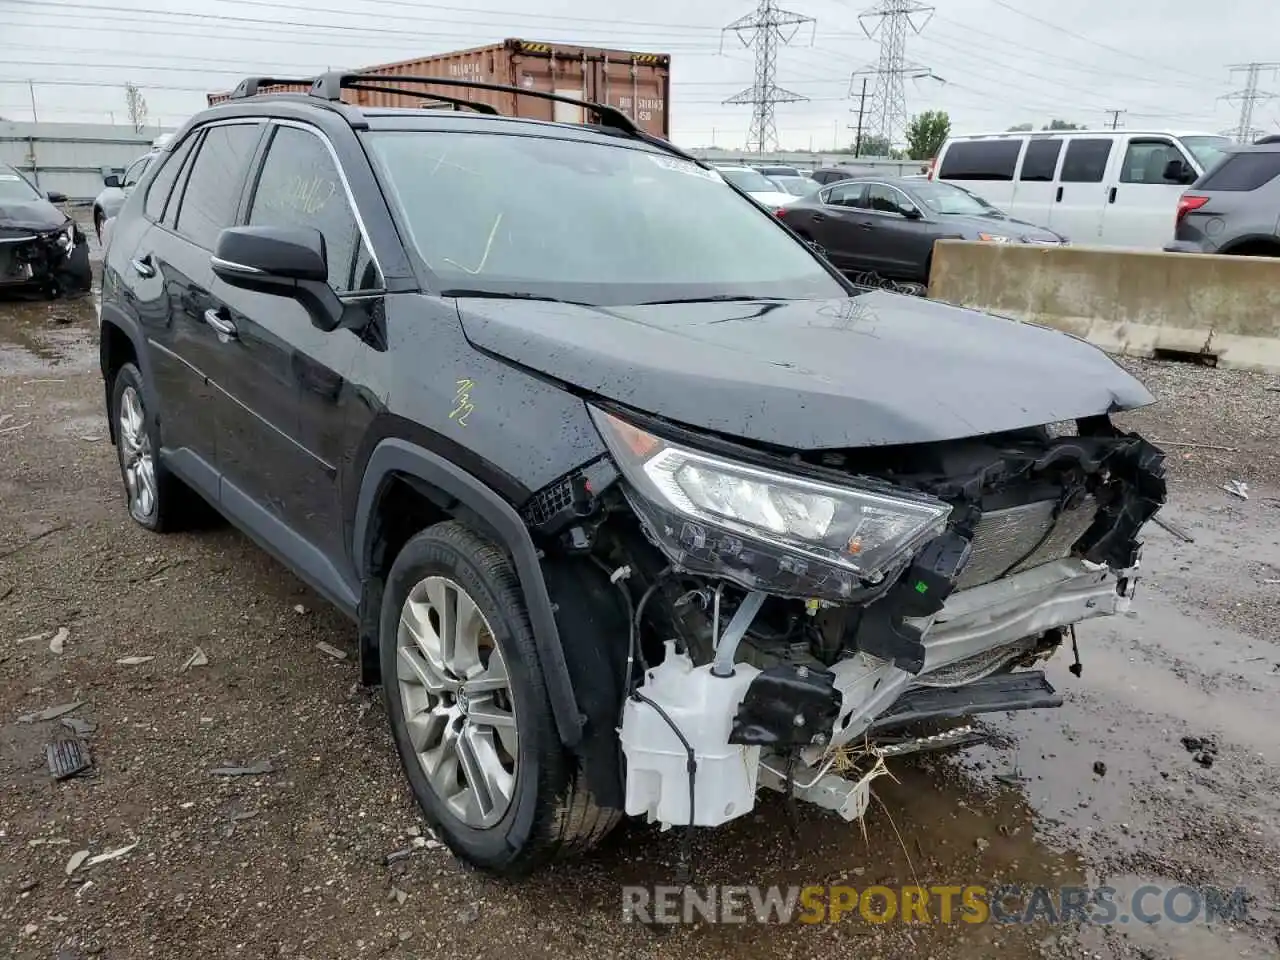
55, 261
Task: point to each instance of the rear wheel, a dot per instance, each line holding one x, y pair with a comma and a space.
469, 709
157, 500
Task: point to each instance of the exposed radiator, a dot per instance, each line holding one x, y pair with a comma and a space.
1005, 537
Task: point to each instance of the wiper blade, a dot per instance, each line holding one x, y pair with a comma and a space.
500, 295
717, 298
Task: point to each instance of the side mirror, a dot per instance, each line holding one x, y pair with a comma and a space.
285, 261
910, 211
55, 197
113, 180
1175, 171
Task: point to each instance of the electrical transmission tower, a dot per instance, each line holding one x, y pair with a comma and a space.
896, 19
766, 28
1250, 96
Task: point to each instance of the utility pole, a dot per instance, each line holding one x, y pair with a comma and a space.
1250, 96
31, 86
862, 109
895, 19
766, 28
1115, 118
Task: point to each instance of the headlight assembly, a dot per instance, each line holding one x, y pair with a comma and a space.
767, 529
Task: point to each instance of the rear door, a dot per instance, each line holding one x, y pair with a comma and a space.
1036, 186
1141, 203
1080, 197
834, 223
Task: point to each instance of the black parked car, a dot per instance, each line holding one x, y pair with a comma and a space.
583, 440
887, 227
41, 248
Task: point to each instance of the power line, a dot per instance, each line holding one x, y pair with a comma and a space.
769, 27
1249, 97
894, 20
1115, 118
1127, 54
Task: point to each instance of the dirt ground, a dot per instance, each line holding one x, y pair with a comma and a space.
294, 862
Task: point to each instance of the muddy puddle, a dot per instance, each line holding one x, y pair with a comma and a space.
40, 336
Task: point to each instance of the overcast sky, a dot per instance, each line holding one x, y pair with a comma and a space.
1003, 61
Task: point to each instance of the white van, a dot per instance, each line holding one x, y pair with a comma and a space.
1112, 188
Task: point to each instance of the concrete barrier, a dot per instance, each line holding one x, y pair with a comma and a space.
1133, 302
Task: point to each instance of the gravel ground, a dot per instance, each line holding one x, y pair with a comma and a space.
293, 862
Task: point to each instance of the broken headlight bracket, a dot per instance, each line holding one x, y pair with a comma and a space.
920, 592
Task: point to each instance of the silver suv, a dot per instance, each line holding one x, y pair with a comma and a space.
1234, 207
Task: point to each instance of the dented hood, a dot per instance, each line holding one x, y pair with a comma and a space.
878, 368
34, 215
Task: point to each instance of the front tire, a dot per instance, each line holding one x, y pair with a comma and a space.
469, 709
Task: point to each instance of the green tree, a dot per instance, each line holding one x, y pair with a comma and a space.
1022, 128
1063, 125
926, 133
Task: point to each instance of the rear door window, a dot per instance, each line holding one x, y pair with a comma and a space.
846, 194
1086, 160
162, 183
1041, 161
212, 193
981, 160
1240, 172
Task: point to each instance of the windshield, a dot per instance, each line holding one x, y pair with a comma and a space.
1207, 150
586, 222
947, 199
796, 186
752, 181
14, 189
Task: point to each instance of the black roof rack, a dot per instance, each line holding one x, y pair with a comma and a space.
252, 86
329, 86
456, 102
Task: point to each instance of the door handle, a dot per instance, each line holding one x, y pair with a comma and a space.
1058, 198
1112, 198
217, 318
864, 225
142, 266
819, 217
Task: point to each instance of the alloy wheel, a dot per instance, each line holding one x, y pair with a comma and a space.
457, 701
137, 457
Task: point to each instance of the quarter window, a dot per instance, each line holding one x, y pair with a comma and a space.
1145, 160
1086, 160
1041, 161
212, 194
300, 187
1242, 171
981, 159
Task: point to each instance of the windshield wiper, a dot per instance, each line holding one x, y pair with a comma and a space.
715, 298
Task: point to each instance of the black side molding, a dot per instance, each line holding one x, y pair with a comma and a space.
399, 456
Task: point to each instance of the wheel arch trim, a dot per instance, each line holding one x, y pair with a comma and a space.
395, 456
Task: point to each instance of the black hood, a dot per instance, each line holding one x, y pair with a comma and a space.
35, 215
878, 368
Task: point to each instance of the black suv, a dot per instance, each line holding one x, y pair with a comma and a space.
636, 503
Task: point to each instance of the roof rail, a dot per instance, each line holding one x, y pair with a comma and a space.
252, 86
329, 86
456, 102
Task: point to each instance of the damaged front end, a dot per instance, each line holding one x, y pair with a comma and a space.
790, 611
51, 261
